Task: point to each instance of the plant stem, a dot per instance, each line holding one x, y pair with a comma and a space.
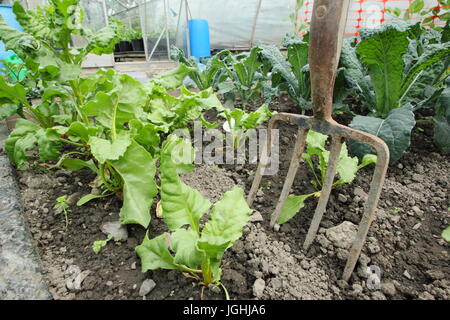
72, 143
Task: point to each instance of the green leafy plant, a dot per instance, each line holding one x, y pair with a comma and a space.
441, 120
299, 26
316, 156
97, 246
417, 9
387, 70
45, 48
211, 75
62, 206
291, 73
111, 123
189, 247
239, 122
245, 72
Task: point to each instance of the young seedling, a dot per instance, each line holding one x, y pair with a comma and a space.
98, 245
62, 206
316, 156
239, 122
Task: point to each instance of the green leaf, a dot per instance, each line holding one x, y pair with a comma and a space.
442, 121
104, 150
173, 79
347, 166
104, 40
368, 159
97, 246
23, 138
181, 204
381, 51
416, 6
228, 218
137, 169
7, 110
442, 134
184, 244
90, 197
76, 164
292, 206
15, 93
446, 234
146, 135
395, 130
355, 75
155, 253
434, 53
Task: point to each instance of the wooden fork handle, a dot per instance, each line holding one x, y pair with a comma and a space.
325, 43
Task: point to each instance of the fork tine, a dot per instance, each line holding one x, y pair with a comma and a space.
264, 161
333, 161
295, 163
370, 208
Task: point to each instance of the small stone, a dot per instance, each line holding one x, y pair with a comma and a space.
407, 275
343, 235
342, 254
342, 284
360, 193
258, 288
364, 260
276, 227
377, 295
416, 210
400, 166
372, 245
116, 230
260, 193
435, 274
426, 296
214, 288
388, 288
357, 288
417, 177
256, 217
133, 266
304, 264
417, 226
109, 283
342, 198
381, 214
146, 287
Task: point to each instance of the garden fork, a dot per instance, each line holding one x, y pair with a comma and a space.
326, 38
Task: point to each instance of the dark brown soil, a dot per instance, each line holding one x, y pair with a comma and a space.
404, 240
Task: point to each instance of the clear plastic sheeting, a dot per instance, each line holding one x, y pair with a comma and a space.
237, 24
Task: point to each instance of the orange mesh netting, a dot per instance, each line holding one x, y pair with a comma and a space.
372, 13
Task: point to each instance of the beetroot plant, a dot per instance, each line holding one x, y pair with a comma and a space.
191, 246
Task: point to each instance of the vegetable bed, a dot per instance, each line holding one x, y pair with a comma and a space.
404, 241
119, 209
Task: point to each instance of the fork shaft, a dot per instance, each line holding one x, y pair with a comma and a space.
295, 163
333, 160
265, 158
325, 43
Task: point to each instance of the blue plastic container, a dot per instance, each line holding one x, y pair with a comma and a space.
7, 13
199, 39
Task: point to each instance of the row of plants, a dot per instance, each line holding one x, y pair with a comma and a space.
393, 72
121, 130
